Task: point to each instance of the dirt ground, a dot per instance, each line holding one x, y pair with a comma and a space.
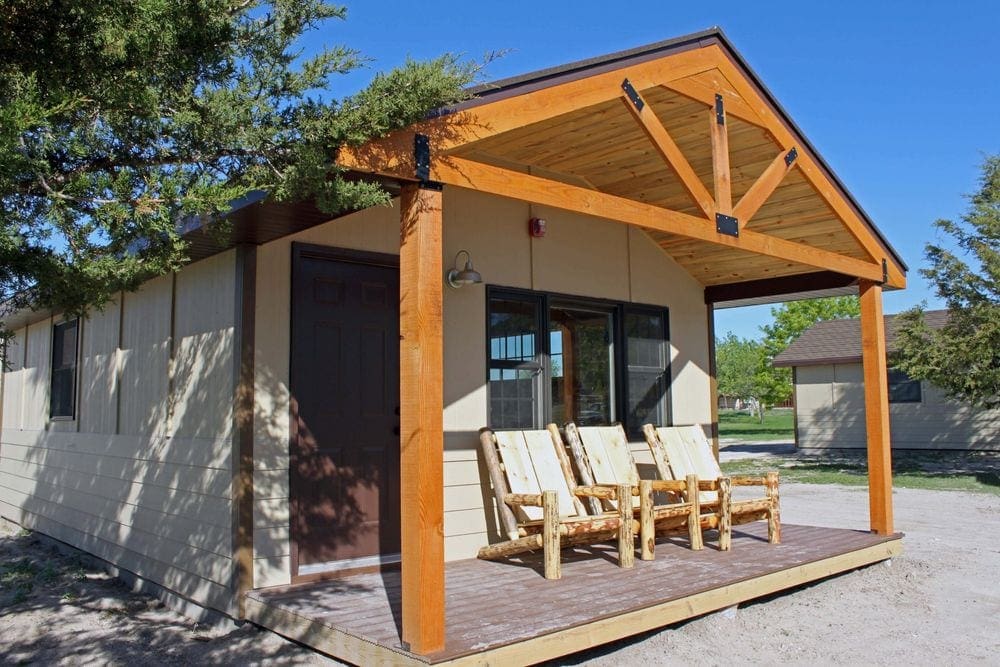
938, 603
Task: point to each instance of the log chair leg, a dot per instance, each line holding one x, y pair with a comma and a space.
647, 527
694, 518
551, 537
626, 538
725, 515
774, 512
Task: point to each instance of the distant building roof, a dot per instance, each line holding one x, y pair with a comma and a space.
839, 341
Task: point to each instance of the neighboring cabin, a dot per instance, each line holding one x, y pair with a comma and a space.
829, 396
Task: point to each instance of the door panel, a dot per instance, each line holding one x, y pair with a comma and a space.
345, 395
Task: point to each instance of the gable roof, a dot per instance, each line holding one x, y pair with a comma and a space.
839, 341
665, 137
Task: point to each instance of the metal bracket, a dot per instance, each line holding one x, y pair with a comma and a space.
885, 271
727, 224
633, 95
790, 157
422, 156
720, 110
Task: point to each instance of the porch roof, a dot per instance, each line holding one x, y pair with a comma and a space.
639, 137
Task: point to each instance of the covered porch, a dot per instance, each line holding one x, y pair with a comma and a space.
680, 143
506, 613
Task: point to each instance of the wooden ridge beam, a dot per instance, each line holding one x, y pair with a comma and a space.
668, 149
453, 170
764, 186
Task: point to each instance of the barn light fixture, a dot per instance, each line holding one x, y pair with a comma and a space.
467, 276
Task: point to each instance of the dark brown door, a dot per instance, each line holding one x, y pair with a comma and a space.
345, 405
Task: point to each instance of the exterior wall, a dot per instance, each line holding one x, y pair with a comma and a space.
142, 476
579, 255
830, 410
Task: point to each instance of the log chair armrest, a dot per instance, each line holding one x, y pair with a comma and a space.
749, 480
529, 499
602, 491
669, 485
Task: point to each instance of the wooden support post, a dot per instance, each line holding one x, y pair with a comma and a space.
626, 539
725, 514
647, 526
774, 512
421, 395
713, 382
876, 407
720, 160
550, 534
694, 518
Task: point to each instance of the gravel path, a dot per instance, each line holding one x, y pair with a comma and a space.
938, 603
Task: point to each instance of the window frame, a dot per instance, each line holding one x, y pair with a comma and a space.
619, 376
74, 367
902, 383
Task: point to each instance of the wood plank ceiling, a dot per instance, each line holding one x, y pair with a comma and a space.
603, 148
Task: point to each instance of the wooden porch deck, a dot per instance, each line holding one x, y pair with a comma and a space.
506, 612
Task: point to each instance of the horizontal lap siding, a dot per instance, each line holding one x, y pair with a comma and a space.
143, 477
830, 413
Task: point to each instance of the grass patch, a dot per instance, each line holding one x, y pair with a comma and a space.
907, 473
778, 425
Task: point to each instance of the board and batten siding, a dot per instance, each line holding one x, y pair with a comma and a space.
830, 414
142, 476
579, 255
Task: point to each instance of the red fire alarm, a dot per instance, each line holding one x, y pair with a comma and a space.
536, 227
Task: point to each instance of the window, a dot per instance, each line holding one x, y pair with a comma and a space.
62, 401
559, 359
902, 388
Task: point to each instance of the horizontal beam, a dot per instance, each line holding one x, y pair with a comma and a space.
756, 289
463, 173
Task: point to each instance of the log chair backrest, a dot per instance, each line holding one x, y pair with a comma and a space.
608, 455
685, 449
532, 465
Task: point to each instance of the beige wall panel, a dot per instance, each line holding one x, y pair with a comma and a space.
203, 371
580, 255
97, 406
275, 571
192, 452
13, 381
848, 373
658, 280
459, 547
208, 593
37, 376
145, 361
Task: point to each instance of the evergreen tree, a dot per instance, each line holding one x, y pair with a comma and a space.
963, 357
121, 118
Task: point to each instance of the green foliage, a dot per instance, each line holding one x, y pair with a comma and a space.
963, 357
119, 119
790, 320
739, 364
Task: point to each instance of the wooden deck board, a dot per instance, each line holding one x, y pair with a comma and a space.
495, 606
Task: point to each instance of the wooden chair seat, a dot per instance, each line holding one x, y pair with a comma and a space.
681, 450
602, 456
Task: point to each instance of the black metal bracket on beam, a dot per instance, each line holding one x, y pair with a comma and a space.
720, 110
790, 157
885, 271
727, 224
633, 95
422, 156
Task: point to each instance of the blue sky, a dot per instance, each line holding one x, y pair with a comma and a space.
901, 98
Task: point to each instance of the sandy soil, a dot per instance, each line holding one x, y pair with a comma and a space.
938, 603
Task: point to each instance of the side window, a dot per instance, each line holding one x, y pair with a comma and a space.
62, 400
902, 388
646, 369
515, 361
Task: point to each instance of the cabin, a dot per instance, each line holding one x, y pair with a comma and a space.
286, 431
827, 376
